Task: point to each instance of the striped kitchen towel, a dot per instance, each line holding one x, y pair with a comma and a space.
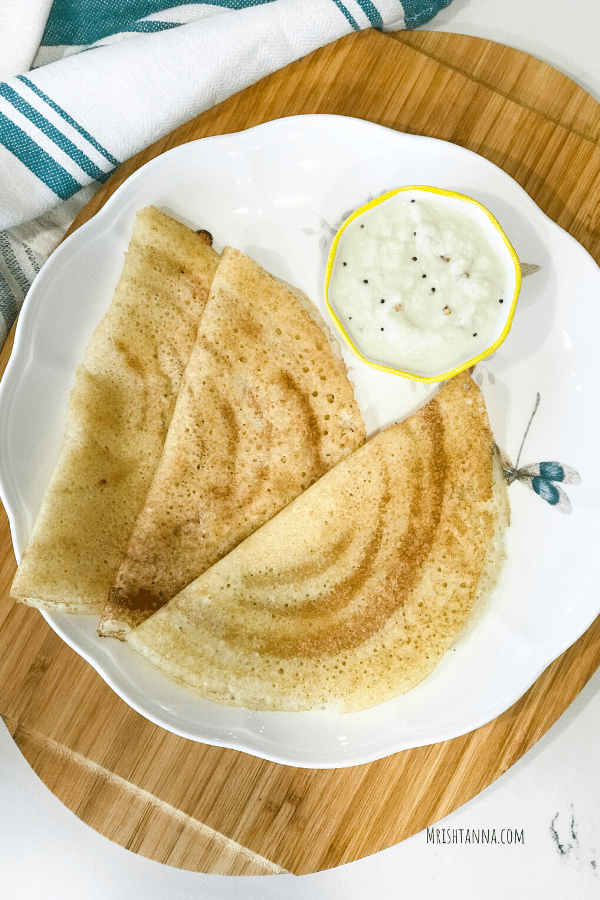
89, 83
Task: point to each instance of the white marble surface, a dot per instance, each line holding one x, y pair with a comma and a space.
547, 803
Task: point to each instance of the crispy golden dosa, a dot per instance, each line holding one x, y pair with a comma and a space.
351, 594
265, 409
118, 415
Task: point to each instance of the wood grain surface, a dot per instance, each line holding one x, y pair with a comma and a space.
214, 810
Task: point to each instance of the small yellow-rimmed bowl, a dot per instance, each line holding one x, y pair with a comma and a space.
499, 242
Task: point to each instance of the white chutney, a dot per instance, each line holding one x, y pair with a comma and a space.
417, 285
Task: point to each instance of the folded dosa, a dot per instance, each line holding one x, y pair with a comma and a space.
351, 594
265, 409
119, 411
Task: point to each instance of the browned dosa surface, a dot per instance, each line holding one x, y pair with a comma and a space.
119, 411
265, 408
214, 810
352, 593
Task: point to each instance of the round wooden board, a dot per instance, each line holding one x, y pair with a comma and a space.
213, 810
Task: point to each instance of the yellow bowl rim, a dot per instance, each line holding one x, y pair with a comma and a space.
511, 310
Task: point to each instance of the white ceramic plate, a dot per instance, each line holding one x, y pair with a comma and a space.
278, 192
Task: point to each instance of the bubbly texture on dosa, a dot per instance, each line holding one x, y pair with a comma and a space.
265, 409
119, 411
352, 593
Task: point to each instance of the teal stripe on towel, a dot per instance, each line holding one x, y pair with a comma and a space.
417, 12
348, 15
74, 23
61, 112
372, 13
55, 135
36, 159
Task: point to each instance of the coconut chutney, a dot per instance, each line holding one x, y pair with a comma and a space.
417, 285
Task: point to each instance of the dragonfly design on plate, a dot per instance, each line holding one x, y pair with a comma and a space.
545, 478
